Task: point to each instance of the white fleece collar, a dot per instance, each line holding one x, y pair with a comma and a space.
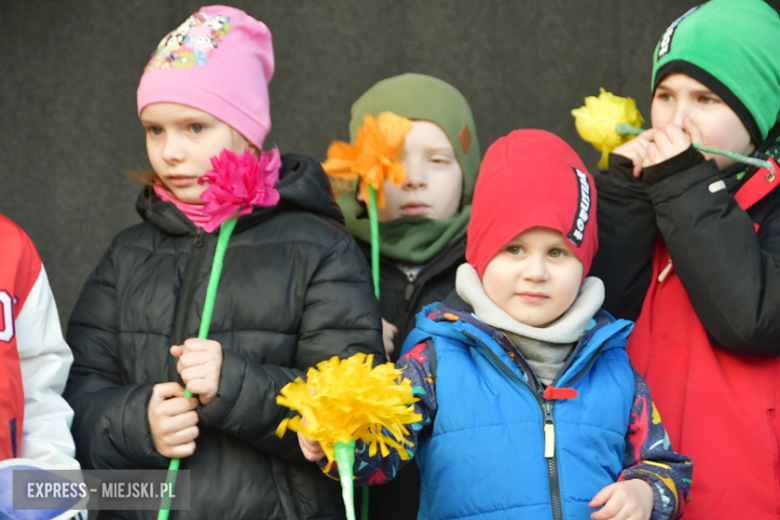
566, 329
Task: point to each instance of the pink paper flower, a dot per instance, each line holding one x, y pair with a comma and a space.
239, 182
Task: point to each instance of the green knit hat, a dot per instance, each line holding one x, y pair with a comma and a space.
417, 96
733, 48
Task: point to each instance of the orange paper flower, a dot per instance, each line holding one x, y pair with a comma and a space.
374, 157
345, 400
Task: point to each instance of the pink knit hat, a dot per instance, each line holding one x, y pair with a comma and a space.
220, 61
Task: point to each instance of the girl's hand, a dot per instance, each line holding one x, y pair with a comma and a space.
172, 420
636, 150
200, 363
311, 449
388, 334
671, 141
627, 500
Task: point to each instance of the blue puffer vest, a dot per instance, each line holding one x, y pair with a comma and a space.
498, 449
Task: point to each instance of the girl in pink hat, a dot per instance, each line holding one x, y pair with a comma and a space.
295, 290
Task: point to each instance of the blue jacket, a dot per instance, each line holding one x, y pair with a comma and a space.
563, 451
495, 444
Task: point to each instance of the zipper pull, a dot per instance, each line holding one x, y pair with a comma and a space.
409, 291
198, 242
666, 271
549, 431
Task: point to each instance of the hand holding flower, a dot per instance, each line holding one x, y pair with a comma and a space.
346, 400
200, 364
671, 141
312, 449
610, 122
173, 421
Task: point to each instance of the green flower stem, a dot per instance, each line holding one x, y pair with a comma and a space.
627, 129
345, 458
225, 230
374, 224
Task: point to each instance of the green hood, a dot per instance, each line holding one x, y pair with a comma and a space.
416, 96
733, 48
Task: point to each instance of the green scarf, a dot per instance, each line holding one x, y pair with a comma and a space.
416, 96
733, 48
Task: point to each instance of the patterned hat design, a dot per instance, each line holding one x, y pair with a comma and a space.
191, 44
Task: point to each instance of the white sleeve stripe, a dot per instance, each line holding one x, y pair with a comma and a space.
45, 361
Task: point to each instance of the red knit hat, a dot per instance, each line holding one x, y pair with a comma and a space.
531, 178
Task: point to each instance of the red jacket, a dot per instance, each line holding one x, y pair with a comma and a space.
34, 358
720, 408
19, 269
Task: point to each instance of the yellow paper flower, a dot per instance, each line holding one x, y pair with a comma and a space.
345, 400
374, 157
596, 122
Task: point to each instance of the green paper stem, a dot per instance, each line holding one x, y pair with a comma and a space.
374, 223
345, 458
225, 230
627, 129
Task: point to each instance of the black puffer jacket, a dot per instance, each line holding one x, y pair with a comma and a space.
403, 296
295, 290
729, 271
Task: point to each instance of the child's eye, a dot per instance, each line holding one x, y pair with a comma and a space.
706, 100
515, 250
556, 253
664, 96
155, 130
197, 128
439, 160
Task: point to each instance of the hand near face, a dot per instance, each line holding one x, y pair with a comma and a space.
172, 420
636, 150
626, 500
200, 364
671, 141
659, 144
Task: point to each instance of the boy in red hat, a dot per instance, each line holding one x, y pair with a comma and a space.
530, 406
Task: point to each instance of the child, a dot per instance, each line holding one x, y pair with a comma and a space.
295, 290
700, 235
422, 229
530, 406
34, 362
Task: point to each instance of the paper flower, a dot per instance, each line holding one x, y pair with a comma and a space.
345, 400
374, 157
239, 182
596, 122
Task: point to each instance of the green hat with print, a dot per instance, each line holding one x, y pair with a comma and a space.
733, 48
417, 96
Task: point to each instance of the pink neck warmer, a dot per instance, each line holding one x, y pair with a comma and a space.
193, 211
